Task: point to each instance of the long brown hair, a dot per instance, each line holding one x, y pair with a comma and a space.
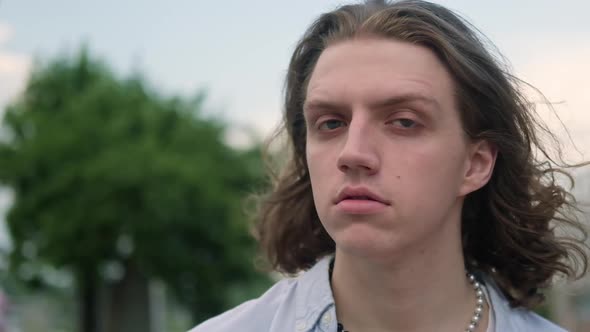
508, 226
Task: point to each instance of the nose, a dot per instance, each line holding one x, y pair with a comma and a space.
359, 152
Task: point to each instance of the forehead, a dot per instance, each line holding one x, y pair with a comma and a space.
368, 69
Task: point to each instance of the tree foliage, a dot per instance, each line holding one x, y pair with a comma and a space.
105, 172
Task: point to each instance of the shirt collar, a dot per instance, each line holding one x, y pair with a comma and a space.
314, 298
313, 295
501, 307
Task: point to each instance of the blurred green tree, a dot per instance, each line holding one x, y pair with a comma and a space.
120, 185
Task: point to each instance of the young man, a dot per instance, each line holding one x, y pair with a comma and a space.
413, 200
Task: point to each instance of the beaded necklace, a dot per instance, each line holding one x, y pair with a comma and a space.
479, 296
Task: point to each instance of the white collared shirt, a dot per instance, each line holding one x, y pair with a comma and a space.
306, 304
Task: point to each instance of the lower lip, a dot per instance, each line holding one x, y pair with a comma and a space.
360, 206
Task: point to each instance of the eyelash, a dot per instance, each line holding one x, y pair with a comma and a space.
323, 123
414, 122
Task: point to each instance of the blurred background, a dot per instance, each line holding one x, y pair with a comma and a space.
131, 134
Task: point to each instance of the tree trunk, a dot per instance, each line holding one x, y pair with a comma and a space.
129, 302
87, 297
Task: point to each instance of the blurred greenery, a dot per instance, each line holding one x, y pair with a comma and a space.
109, 178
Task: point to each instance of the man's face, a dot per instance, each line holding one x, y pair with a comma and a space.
386, 151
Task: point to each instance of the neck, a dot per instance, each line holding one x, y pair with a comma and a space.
423, 289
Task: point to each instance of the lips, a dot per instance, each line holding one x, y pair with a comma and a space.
359, 193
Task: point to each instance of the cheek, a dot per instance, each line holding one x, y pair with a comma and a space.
323, 174
320, 161
434, 171
317, 170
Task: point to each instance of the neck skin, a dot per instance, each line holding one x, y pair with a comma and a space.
423, 288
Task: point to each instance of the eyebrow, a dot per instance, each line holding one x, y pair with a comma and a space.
405, 98
390, 101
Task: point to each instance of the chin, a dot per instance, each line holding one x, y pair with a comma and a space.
366, 244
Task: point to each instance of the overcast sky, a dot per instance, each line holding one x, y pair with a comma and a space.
238, 50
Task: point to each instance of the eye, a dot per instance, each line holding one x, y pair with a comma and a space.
331, 124
404, 123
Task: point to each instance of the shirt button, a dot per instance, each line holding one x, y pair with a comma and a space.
327, 318
301, 325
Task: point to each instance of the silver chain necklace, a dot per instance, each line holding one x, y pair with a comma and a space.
477, 313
